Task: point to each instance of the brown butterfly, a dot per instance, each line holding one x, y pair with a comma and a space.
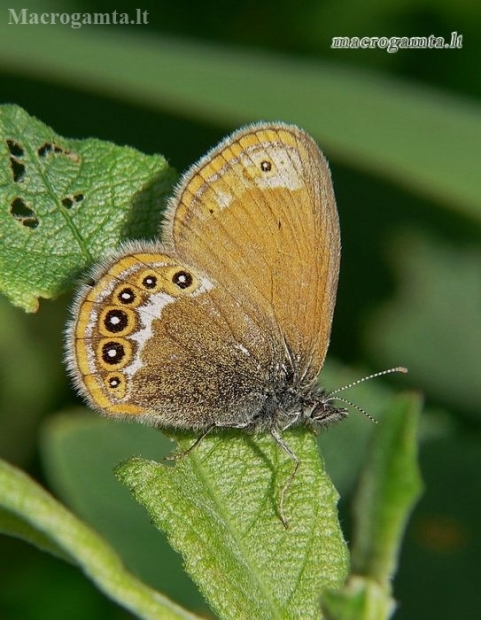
226, 323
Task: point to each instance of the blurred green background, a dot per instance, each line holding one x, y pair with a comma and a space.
402, 132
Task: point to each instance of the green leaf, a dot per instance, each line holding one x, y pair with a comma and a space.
67, 203
360, 599
389, 486
79, 446
400, 130
219, 508
28, 511
388, 489
16, 526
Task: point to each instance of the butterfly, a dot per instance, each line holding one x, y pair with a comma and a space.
225, 323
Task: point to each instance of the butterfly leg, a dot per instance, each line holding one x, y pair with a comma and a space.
180, 455
209, 429
293, 421
295, 459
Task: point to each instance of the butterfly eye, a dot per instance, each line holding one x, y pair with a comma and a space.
126, 296
149, 282
116, 321
113, 353
182, 279
114, 382
266, 166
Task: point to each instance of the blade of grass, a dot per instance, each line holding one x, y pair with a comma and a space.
28, 511
389, 486
426, 140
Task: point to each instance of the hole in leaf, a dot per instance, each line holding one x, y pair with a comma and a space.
18, 170
49, 148
15, 149
30, 222
23, 213
70, 201
45, 149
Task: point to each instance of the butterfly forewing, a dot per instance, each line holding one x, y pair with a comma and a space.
258, 216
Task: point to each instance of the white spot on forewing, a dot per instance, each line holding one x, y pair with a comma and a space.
286, 164
153, 310
284, 173
224, 199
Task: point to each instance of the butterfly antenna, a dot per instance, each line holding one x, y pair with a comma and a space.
368, 378
360, 409
331, 396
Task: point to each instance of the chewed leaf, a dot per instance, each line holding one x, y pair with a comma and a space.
68, 203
